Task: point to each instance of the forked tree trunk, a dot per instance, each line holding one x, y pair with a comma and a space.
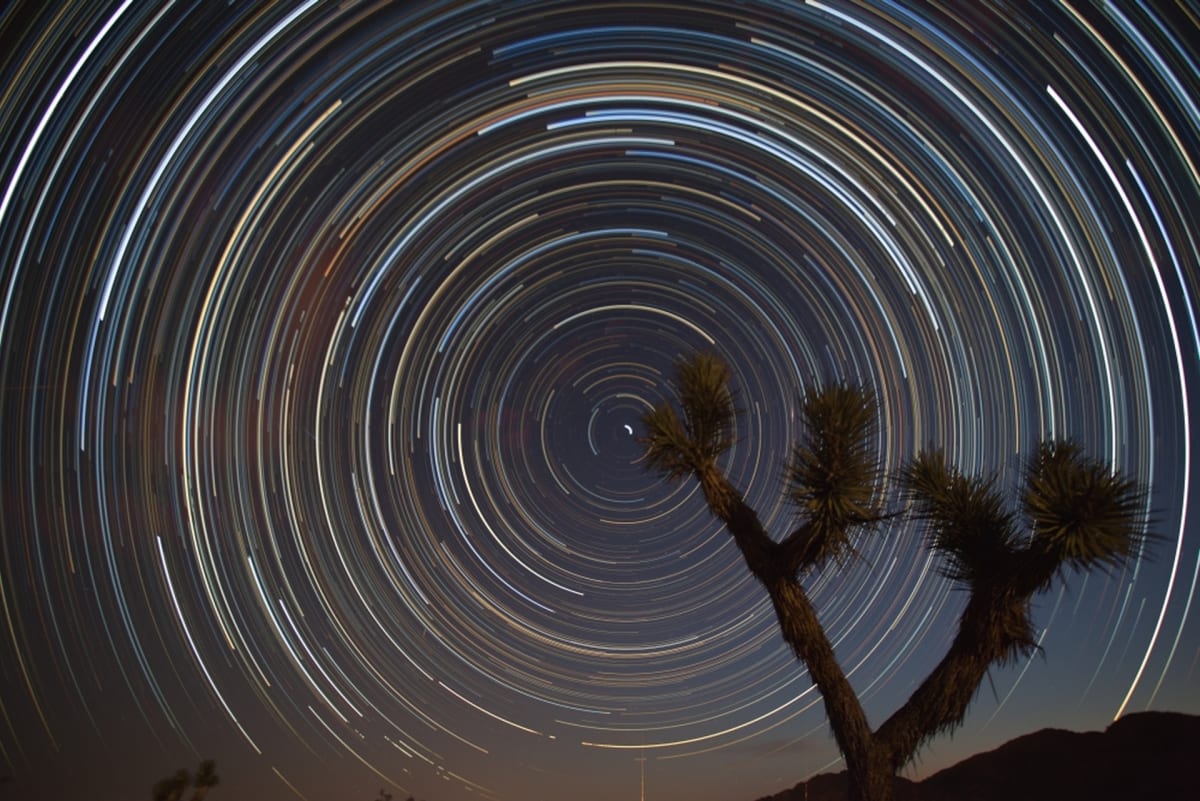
988, 632
868, 769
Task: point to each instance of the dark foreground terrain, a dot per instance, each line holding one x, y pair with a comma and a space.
1148, 756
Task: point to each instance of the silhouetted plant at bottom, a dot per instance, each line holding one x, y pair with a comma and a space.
173, 788
1078, 515
384, 795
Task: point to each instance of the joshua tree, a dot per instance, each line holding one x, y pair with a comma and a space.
205, 779
173, 788
1077, 514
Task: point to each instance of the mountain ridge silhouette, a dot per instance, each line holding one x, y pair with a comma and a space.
1144, 756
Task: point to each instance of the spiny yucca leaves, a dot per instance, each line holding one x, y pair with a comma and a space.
678, 448
966, 517
832, 475
702, 383
668, 447
1082, 513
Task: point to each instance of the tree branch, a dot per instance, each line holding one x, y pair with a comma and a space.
994, 628
798, 622
726, 503
796, 549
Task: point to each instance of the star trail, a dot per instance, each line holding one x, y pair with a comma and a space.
326, 330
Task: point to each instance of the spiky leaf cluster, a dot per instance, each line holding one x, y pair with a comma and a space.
668, 447
833, 473
1083, 515
702, 382
966, 518
679, 447
976, 535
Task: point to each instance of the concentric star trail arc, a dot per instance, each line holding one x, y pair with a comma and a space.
327, 330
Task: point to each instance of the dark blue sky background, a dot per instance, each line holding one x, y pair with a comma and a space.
325, 332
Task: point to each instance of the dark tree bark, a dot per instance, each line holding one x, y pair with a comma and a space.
870, 774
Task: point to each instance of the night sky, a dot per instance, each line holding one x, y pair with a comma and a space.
325, 332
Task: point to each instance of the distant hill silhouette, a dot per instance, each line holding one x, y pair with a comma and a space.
1148, 756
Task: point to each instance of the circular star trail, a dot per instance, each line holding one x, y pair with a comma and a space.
327, 331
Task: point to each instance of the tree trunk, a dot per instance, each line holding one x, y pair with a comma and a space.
867, 766
871, 779
868, 770
992, 629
